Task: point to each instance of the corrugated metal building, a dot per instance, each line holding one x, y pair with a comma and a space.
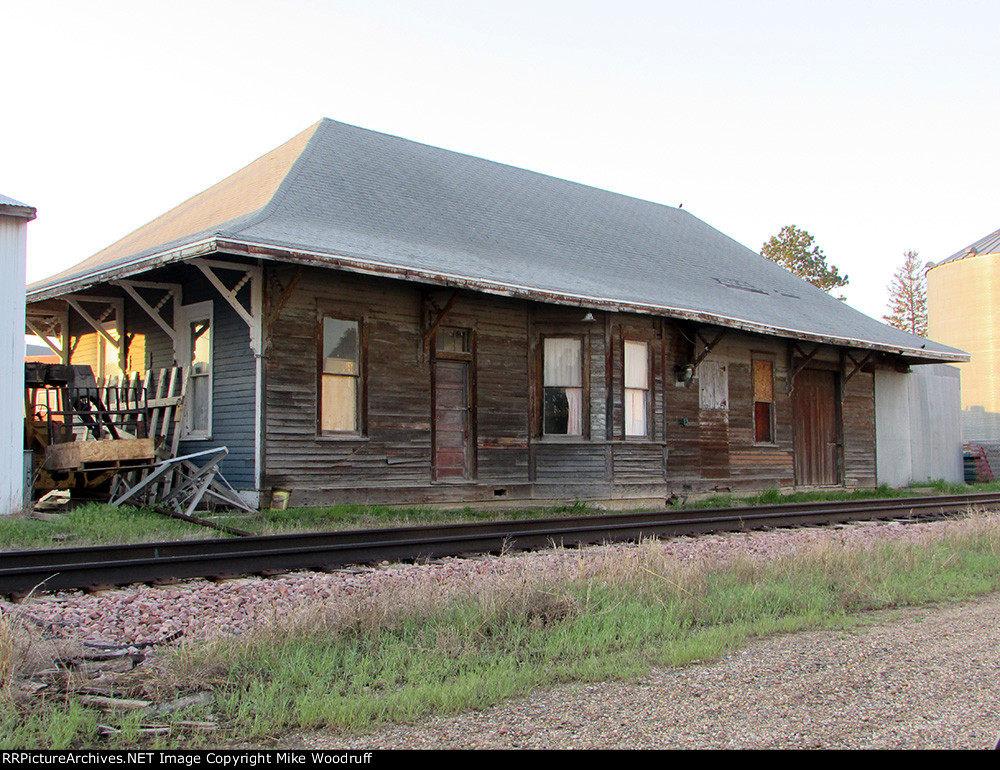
14, 218
369, 318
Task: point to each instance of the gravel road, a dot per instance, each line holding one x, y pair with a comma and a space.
910, 679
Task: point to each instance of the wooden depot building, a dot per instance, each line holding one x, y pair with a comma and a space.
365, 318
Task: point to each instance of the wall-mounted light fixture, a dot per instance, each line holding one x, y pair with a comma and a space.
588, 318
685, 375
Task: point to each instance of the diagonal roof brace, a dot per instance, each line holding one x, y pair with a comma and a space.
283, 296
442, 314
856, 366
253, 317
793, 348
170, 291
113, 305
50, 328
709, 346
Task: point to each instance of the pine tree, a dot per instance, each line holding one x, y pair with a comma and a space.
794, 249
908, 297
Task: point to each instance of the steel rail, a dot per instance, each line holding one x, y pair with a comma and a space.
80, 567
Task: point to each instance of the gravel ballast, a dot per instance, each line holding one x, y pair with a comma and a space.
908, 679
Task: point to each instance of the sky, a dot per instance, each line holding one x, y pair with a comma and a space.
872, 125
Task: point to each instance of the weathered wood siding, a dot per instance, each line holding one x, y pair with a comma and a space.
699, 438
681, 403
394, 448
858, 410
760, 463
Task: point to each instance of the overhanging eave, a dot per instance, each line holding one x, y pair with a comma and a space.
367, 266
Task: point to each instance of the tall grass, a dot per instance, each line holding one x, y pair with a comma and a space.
419, 651
419, 648
10, 654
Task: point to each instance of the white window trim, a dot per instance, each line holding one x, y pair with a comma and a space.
198, 311
112, 329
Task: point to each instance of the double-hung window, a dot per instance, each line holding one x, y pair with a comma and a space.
636, 389
562, 383
340, 375
108, 356
196, 352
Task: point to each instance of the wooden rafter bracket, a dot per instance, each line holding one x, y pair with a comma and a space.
44, 327
709, 346
111, 305
847, 359
250, 274
432, 330
793, 369
170, 291
279, 303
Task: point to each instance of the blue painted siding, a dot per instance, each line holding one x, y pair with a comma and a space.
233, 376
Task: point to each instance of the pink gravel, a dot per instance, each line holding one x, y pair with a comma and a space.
201, 609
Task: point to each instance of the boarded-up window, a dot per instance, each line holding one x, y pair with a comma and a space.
713, 385
636, 388
763, 401
562, 383
339, 376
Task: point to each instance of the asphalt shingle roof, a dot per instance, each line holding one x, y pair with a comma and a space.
389, 204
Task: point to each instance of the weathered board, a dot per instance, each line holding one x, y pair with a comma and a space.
698, 431
816, 428
698, 437
79, 454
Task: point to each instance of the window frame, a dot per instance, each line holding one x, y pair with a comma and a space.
112, 328
771, 427
361, 379
647, 391
189, 314
584, 389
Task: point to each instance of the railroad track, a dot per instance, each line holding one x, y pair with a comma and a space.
23, 572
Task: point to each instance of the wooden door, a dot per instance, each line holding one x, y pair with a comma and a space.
816, 432
453, 424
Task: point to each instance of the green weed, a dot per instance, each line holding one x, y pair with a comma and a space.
415, 650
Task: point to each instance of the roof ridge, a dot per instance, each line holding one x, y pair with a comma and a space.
330, 122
